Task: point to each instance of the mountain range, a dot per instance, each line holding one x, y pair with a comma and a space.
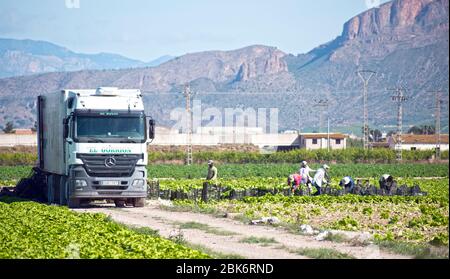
28, 57
404, 41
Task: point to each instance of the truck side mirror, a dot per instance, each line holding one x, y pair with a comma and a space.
151, 129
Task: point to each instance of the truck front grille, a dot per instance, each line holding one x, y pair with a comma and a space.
109, 165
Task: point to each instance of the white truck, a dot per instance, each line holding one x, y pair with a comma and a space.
92, 145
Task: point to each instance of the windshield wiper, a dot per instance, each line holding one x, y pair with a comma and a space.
94, 140
128, 141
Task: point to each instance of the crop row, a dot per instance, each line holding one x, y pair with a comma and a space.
31, 230
351, 155
434, 187
283, 170
10, 175
269, 170
411, 219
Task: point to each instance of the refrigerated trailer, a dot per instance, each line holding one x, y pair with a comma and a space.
92, 145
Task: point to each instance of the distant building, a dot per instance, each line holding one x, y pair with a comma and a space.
290, 132
233, 130
24, 132
161, 130
419, 142
315, 141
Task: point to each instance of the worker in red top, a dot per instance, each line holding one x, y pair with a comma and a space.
294, 181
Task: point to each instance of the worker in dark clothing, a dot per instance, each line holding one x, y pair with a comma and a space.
348, 184
386, 182
212, 171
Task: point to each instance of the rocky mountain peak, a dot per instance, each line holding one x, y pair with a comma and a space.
396, 15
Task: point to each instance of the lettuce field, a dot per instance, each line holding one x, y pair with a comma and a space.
420, 220
29, 230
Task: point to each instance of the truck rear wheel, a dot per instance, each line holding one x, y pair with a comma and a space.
139, 202
130, 202
120, 203
73, 203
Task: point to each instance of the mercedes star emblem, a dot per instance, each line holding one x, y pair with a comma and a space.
110, 162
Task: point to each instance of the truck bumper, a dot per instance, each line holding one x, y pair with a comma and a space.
82, 186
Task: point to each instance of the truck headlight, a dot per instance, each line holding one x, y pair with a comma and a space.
138, 183
80, 183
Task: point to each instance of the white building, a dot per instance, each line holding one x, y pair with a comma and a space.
419, 142
320, 141
210, 130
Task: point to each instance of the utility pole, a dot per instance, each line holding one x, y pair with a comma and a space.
365, 76
399, 98
188, 95
323, 103
328, 136
437, 115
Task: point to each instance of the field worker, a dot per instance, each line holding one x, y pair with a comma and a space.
320, 178
212, 171
386, 181
294, 181
348, 184
304, 173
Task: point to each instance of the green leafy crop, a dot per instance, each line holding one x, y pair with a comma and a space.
35, 231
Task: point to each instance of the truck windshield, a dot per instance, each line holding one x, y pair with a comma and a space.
110, 129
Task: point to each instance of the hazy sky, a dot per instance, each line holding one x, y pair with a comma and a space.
147, 29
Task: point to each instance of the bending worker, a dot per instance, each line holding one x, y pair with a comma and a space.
212, 171
348, 184
386, 181
294, 181
304, 173
320, 178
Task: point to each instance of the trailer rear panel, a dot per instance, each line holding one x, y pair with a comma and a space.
51, 113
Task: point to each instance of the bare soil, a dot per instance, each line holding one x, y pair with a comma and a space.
230, 241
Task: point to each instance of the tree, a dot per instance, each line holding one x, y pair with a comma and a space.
429, 129
376, 135
355, 143
415, 130
9, 128
391, 133
422, 130
35, 126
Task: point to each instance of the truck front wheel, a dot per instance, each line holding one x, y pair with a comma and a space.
120, 203
139, 202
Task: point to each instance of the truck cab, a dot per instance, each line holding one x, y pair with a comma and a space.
93, 146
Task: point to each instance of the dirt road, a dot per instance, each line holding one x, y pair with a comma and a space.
231, 237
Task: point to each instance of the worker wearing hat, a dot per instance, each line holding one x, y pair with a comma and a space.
294, 181
348, 184
386, 181
212, 171
320, 178
304, 171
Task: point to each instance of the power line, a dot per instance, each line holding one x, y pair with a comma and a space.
439, 101
323, 103
188, 95
365, 76
399, 98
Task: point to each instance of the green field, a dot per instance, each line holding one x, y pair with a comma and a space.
417, 220
349, 155
13, 173
283, 170
30, 230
